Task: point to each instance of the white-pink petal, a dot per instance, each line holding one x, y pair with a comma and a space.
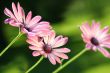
60, 42
34, 21
35, 48
19, 12
9, 13
58, 59
36, 53
51, 59
28, 17
104, 52
63, 50
62, 55
15, 10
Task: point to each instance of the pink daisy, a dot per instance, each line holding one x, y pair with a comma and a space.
29, 25
48, 46
96, 38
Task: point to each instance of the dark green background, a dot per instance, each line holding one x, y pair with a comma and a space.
65, 16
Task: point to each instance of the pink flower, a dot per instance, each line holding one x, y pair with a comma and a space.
29, 25
96, 38
48, 46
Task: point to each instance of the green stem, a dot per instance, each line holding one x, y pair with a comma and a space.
11, 43
68, 62
35, 65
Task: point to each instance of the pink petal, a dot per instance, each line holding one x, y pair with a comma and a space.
104, 52
85, 38
49, 38
35, 48
19, 12
34, 21
31, 34
35, 53
95, 27
62, 50
31, 42
58, 59
35, 41
9, 13
94, 48
106, 45
105, 40
60, 42
62, 55
45, 55
85, 28
28, 17
15, 10
88, 46
51, 59
105, 30
23, 14
103, 33
42, 32
42, 25
58, 38
14, 23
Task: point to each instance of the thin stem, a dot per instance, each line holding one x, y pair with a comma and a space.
35, 65
71, 60
11, 43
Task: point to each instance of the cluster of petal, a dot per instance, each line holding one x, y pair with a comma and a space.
96, 38
48, 46
28, 25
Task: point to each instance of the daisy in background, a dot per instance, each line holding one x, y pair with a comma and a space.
49, 47
28, 25
96, 38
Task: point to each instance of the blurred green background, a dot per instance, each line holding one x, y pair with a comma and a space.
65, 16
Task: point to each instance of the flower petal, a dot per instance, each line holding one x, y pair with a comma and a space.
19, 12
36, 41
35, 48
42, 25
34, 21
85, 38
58, 59
104, 52
85, 28
9, 13
15, 10
60, 42
103, 33
88, 46
95, 27
51, 59
63, 50
28, 17
62, 55
36, 53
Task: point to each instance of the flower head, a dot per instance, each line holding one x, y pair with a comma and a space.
48, 46
96, 38
29, 25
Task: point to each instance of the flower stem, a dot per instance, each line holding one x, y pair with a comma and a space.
35, 65
11, 43
68, 62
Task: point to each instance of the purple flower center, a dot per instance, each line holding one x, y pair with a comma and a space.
47, 48
94, 41
28, 29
